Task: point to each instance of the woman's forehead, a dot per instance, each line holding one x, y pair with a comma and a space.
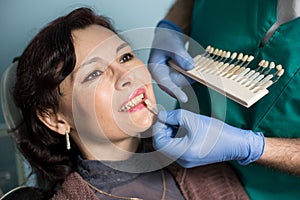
93, 34
95, 40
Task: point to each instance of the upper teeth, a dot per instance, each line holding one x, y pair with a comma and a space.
133, 102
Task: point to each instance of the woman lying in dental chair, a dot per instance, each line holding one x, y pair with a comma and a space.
82, 93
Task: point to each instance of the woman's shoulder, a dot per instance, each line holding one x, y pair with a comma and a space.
208, 182
74, 187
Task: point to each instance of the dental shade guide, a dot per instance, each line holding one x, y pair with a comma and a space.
228, 73
151, 107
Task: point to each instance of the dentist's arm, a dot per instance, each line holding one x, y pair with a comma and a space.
169, 43
181, 14
282, 154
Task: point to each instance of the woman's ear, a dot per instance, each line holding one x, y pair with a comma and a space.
54, 121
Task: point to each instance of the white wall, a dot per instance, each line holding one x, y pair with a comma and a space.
20, 20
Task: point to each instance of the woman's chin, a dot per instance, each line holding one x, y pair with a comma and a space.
144, 124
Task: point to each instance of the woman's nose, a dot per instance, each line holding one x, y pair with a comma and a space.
125, 79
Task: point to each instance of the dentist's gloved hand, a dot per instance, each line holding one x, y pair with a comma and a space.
169, 44
206, 140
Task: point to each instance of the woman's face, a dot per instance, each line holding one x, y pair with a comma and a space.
103, 98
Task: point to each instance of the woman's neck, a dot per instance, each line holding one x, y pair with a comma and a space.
111, 151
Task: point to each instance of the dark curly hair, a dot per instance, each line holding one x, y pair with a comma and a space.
45, 63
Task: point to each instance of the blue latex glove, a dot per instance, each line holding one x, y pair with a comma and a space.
169, 44
206, 140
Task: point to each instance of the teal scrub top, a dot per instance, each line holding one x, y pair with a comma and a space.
239, 26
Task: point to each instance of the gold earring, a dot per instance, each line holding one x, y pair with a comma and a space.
68, 144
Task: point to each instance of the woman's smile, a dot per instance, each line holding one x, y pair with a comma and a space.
135, 102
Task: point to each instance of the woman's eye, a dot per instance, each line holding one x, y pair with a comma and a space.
93, 75
126, 57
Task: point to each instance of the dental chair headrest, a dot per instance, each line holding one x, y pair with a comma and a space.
12, 114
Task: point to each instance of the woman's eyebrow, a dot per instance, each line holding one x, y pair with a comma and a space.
121, 46
86, 63
91, 60
96, 59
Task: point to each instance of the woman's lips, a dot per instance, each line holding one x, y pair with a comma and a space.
135, 102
